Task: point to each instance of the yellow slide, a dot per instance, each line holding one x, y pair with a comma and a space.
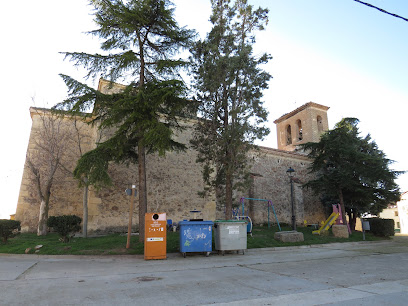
326, 225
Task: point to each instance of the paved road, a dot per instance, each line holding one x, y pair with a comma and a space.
370, 273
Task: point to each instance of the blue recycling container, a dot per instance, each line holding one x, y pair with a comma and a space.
195, 236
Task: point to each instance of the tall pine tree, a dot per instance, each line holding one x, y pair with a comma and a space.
139, 42
229, 83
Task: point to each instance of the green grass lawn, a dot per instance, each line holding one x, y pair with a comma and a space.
115, 244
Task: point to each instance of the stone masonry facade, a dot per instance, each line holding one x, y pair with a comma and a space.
302, 125
173, 184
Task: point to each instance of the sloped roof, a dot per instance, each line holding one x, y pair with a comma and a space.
299, 109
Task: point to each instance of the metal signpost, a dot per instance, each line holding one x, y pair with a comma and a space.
132, 200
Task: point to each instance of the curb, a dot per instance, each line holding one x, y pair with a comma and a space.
176, 254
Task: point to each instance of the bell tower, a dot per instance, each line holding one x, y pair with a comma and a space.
304, 124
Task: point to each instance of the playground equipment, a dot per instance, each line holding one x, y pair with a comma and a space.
326, 225
262, 200
334, 217
249, 226
339, 221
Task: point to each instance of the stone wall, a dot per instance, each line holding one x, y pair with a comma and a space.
173, 182
271, 182
66, 197
173, 185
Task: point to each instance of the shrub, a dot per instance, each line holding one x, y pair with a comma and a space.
65, 225
382, 227
8, 229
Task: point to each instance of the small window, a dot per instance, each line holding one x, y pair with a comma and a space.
288, 135
319, 124
396, 213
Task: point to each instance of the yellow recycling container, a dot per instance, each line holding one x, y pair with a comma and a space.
155, 236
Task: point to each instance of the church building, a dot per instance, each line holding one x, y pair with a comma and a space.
173, 181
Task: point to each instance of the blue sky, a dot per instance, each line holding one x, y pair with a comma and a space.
338, 53
350, 33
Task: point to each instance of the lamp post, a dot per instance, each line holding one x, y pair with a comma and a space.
290, 172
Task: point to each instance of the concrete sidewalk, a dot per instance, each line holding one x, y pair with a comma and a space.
367, 273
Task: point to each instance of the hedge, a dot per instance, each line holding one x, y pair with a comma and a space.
9, 228
382, 227
65, 225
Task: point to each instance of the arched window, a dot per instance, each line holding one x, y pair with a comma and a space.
319, 124
299, 130
288, 135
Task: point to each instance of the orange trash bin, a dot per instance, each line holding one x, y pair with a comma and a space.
155, 236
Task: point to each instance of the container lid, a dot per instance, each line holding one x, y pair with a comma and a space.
196, 223
230, 221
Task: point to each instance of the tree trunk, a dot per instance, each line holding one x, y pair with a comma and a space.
227, 162
228, 183
353, 220
251, 209
43, 217
85, 212
142, 191
141, 152
228, 196
343, 209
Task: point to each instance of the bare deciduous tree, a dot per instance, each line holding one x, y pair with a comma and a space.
59, 140
48, 150
81, 142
